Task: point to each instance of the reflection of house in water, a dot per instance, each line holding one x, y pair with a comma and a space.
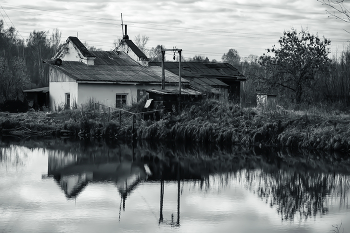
126, 175
76, 175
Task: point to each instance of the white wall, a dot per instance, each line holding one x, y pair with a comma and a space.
58, 92
71, 53
59, 85
106, 93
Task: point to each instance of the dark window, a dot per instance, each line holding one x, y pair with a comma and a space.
67, 103
120, 100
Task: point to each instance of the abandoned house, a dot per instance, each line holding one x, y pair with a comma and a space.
112, 78
215, 78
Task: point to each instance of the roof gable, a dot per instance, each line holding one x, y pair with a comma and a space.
136, 50
80, 46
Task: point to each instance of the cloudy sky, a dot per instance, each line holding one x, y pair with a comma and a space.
199, 27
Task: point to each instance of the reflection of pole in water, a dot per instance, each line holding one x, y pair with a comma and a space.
178, 195
161, 200
120, 207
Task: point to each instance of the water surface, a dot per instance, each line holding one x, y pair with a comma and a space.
59, 185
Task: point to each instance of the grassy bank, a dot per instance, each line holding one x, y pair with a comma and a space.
211, 121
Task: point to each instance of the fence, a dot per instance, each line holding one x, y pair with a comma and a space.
133, 117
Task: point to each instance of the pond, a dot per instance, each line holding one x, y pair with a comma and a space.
65, 185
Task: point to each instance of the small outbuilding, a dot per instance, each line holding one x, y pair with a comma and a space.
37, 98
168, 99
265, 100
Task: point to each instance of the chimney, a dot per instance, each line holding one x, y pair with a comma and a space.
126, 37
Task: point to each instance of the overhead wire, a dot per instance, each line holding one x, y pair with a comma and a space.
236, 34
200, 30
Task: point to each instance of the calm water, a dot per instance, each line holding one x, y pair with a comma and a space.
55, 185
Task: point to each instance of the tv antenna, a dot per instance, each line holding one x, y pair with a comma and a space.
121, 17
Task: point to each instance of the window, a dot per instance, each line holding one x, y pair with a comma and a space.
120, 100
67, 103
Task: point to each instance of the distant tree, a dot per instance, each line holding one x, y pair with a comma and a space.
141, 41
91, 48
155, 54
231, 57
38, 48
337, 9
199, 58
14, 78
214, 60
296, 62
55, 41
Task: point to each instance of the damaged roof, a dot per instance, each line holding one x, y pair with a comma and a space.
201, 70
175, 92
111, 66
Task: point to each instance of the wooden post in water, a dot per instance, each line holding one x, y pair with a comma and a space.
133, 125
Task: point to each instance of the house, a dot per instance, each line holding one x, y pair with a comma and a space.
216, 78
112, 78
127, 46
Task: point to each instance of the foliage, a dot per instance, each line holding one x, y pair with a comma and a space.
296, 62
141, 42
198, 58
231, 57
21, 65
14, 106
155, 54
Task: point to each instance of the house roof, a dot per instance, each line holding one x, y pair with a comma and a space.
201, 70
175, 92
135, 49
80, 46
111, 66
41, 89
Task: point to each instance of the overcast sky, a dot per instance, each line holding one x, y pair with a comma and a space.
208, 28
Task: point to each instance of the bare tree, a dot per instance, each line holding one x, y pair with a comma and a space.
338, 9
141, 41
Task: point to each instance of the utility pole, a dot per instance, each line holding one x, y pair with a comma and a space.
163, 75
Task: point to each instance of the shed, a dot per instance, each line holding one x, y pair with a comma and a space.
168, 98
37, 97
265, 100
212, 78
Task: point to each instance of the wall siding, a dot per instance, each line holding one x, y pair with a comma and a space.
57, 94
106, 93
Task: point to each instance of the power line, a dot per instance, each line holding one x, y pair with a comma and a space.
237, 34
198, 30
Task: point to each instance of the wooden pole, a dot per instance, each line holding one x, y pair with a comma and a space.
180, 80
133, 125
180, 72
163, 72
120, 118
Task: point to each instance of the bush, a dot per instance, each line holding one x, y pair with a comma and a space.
14, 106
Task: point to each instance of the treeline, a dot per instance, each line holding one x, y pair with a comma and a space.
298, 71
21, 61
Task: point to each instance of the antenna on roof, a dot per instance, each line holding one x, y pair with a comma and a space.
121, 16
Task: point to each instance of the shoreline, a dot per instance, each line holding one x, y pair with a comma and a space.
208, 122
